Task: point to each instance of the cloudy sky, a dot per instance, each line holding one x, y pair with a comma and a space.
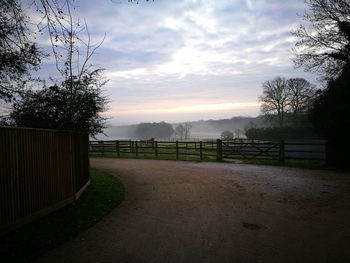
188, 60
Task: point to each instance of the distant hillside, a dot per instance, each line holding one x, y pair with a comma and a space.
200, 129
218, 126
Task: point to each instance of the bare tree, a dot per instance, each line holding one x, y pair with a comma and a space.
180, 131
187, 130
18, 53
301, 93
275, 99
324, 46
70, 38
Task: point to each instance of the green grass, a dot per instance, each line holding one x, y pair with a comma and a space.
29, 242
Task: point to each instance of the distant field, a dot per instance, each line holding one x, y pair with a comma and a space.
194, 135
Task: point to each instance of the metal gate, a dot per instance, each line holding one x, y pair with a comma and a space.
252, 150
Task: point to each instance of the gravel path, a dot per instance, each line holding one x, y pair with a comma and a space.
217, 212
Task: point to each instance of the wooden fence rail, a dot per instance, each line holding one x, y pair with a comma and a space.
40, 171
210, 150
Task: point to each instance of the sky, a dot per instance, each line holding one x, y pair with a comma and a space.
189, 60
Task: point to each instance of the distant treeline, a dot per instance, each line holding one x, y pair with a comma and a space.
218, 126
202, 126
156, 130
259, 128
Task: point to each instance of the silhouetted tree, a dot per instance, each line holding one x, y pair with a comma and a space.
250, 125
18, 53
325, 46
52, 107
300, 95
72, 50
160, 130
70, 39
76, 102
275, 99
282, 98
331, 117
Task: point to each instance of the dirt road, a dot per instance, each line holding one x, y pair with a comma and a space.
217, 212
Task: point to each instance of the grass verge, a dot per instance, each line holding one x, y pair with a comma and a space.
35, 239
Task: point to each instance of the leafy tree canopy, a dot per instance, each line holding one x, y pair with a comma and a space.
76, 102
160, 130
331, 112
63, 108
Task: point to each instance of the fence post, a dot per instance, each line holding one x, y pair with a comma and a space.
329, 153
201, 150
117, 148
156, 148
218, 150
281, 156
136, 149
73, 166
177, 150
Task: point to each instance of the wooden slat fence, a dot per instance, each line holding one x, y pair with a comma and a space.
211, 149
40, 171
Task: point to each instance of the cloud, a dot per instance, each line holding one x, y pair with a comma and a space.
182, 53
